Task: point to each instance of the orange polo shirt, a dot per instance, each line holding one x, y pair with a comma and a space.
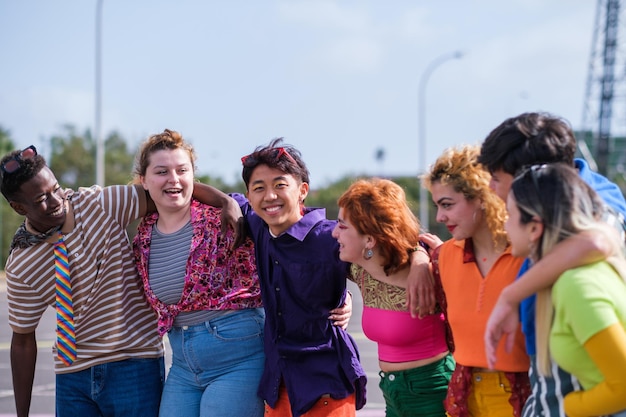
471, 297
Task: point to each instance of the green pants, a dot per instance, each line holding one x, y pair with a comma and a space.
417, 392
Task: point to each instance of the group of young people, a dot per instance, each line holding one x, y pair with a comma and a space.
257, 320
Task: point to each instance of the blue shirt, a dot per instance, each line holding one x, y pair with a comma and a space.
302, 279
612, 195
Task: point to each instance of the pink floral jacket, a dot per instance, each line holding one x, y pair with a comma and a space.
217, 278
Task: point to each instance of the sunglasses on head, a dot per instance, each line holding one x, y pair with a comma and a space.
15, 162
279, 152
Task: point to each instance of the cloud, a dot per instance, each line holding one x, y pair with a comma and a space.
349, 55
325, 14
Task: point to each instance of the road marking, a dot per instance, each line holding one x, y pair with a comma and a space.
40, 345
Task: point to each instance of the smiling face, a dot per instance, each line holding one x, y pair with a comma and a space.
462, 217
169, 179
277, 197
351, 242
42, 201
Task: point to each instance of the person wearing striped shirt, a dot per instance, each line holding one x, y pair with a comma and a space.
119, 365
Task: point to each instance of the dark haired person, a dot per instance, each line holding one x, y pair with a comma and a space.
581, 319
117, 367
312, 368
519, 142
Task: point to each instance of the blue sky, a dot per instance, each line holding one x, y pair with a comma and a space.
338, 79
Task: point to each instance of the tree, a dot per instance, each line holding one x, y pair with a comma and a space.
118, 160
73, 159
327, 198
9, 219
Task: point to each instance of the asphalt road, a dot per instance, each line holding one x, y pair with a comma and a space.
43, 389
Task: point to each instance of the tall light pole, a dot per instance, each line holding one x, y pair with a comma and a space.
421, 109
98, 95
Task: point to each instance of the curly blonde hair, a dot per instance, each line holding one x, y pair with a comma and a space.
459, 168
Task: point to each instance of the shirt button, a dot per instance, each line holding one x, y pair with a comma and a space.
478, 378
277, 288
392, 377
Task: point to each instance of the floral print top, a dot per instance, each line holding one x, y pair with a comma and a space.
216, 278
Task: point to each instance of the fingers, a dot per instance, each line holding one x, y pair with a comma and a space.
412, 304
490, 350
240, 233
509, 342
340, 320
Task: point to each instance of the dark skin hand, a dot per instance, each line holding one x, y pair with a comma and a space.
23, 360
24, 346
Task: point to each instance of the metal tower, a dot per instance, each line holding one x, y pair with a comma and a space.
604, 114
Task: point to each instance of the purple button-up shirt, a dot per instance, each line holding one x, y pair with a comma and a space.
302, 279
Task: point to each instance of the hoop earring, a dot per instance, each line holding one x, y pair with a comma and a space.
367, 255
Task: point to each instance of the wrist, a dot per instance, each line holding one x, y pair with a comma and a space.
420, 249
510, 296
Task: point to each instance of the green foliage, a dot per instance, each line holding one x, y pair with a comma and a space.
9, 219
73, 161
219, 183
73, 158
118, 160
327, 198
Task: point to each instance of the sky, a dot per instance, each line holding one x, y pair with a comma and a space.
338, 79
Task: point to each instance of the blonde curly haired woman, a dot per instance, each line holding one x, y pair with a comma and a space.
473, 267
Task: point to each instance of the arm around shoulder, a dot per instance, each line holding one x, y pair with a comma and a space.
578, 250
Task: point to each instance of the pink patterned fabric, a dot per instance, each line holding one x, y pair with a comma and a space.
217, 278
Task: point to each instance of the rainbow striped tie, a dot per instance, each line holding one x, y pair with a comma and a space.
66, 338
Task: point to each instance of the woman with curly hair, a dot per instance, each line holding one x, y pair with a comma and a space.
473, 267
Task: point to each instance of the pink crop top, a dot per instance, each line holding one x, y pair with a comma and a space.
386, 321
402, 338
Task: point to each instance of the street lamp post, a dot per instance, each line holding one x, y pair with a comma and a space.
422, 128
98, 96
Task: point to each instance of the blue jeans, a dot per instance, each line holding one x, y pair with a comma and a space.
130, 387
216, 367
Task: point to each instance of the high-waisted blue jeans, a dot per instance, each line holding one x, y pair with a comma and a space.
130, 387
216, 367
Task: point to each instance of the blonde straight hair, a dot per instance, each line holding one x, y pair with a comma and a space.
566, 205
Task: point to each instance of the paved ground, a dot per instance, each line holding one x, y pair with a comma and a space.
43, 390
